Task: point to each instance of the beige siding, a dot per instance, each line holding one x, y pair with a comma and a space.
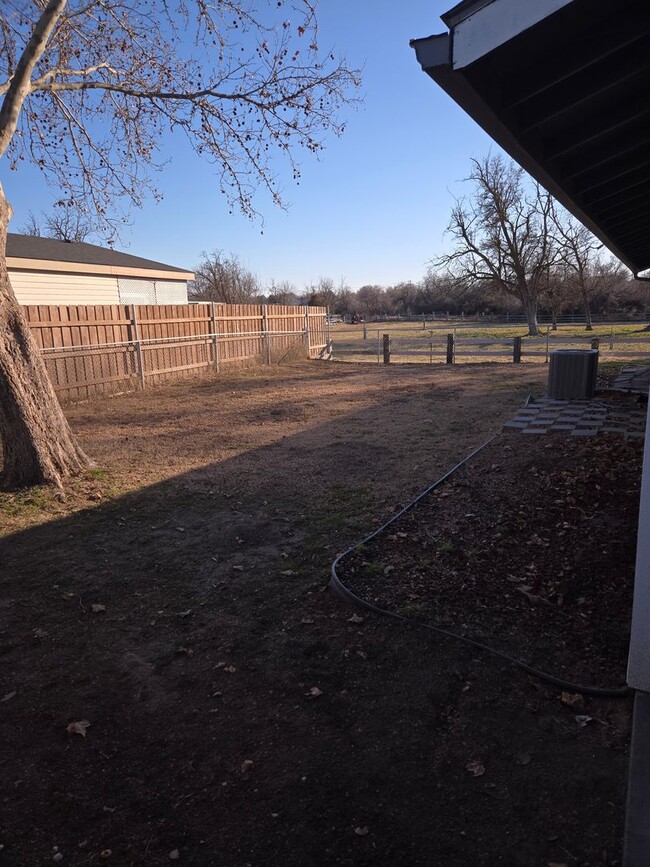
34, 287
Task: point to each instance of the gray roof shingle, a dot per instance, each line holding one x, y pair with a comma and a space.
77, 252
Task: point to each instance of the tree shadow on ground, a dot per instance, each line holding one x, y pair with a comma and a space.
237, 715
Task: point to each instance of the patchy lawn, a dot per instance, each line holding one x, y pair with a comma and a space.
175, 600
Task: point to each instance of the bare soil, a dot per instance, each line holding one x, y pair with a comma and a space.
175, 599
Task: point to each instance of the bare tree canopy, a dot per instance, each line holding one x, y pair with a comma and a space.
63, 225
88, 89
577, 256
223, 278
91, 86
501, 234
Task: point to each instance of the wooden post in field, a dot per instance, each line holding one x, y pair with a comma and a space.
138, 345
595, 343
516, 350
548, 328
365, 333
386, 342
215, 339
450, 349
424, 322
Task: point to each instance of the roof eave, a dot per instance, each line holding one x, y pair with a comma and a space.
434, 53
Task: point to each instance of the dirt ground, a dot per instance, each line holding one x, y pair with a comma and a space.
175, 600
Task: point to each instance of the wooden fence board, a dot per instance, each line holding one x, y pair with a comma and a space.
98, 349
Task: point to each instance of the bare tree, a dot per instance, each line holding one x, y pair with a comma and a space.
88, 89
576, 249
64, 225
321, 295
501, 235
223, 278
283, 292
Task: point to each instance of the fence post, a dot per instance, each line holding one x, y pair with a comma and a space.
595, 343
548, 328
365, 333
138, 345
214, 336
424, 322
450, 349
516, 350
266, 337
307, 334
386, 342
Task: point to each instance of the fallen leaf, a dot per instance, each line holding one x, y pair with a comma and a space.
287, 572
362, 831
475, 768
307, 621
355, 619
230, 669
96, 607
39, 633
184, 613
573, 699
247, 764
174, 855
67, 596
314, 692
106, 853
582, 720
78, 728
8, 696
238, 568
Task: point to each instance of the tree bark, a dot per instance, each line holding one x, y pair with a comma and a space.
530, 309
585, 301
38, 445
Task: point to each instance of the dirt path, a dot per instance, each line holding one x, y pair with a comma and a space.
236, 714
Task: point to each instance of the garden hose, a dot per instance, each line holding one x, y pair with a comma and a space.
339, 587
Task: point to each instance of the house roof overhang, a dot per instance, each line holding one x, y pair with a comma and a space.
29, 253
562, 86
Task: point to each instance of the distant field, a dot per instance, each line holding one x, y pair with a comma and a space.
411, 343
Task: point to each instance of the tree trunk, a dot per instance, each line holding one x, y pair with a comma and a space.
530, 309
38, 445
585, 300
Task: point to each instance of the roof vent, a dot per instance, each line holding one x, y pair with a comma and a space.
572, 374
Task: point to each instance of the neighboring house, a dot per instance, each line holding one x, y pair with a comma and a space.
47, 271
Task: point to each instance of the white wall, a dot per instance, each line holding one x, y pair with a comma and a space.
38, 287
34, 287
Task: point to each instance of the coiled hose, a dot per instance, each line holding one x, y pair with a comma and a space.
339, 587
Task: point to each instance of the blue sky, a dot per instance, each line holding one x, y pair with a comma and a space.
372, 208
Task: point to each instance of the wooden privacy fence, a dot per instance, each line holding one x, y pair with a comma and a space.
105, 349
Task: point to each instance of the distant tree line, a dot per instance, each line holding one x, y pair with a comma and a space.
513, 249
